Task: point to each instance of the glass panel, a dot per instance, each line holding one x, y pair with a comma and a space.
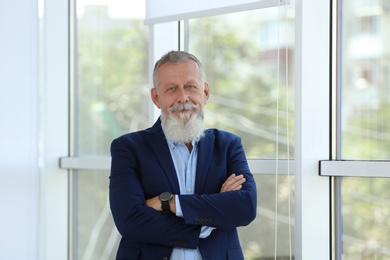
258, 239
365, 79
110, 93
365, 90
366, 216
240, 54
96, 236
111, 74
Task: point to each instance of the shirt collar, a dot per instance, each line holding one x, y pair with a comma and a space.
172, 144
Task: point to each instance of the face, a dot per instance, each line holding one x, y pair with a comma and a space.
180, 84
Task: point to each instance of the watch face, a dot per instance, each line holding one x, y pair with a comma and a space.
165, 196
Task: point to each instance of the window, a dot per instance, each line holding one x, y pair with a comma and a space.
95, 106
111, 83
364, 126
110, 87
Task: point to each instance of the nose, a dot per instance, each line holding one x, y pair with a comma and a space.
182, 96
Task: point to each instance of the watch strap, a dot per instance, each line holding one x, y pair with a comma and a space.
165, 206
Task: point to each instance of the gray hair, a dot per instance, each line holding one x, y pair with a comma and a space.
176, 57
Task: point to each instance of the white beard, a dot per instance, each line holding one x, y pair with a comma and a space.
187, 127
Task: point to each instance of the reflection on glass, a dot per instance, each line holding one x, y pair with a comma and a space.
240, 54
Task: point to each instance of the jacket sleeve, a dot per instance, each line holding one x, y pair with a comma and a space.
133, 218
229, 209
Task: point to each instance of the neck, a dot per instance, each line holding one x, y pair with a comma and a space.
189, 146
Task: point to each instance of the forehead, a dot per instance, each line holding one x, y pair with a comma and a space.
184, 70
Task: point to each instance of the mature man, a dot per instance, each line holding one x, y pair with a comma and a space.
178, 191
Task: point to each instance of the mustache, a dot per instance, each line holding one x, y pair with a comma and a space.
181, 107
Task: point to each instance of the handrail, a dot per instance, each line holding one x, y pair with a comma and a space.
354, 168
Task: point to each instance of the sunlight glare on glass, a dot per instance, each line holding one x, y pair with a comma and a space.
117, 9
40, 8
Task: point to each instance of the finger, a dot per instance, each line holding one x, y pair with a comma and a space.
228, 182
238, 187
231, 177
233, 180
237, 184
233, 183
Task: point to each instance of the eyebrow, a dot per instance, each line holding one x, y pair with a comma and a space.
193, 82
190, 82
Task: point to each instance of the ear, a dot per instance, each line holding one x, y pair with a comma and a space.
206, 92
155, 97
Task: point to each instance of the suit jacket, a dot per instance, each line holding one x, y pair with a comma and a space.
142, 168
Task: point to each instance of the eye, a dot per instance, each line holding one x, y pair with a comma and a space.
171, 89
190, 86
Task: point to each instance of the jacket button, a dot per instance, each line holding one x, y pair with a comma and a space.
165, 258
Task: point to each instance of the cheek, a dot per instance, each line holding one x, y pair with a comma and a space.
196, 98
164, 105
202, 100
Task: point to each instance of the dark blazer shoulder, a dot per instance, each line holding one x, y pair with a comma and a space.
140, 134
221, 134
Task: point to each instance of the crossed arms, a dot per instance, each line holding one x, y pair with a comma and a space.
234, 182
135, 183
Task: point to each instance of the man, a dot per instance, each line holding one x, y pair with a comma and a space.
178, 191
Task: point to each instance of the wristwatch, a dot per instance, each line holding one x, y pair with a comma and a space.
165, 198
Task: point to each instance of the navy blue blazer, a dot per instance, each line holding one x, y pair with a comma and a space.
142, 168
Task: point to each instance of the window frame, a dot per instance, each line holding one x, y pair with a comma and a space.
54, 219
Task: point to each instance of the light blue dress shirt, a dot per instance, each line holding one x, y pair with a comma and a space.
185, 165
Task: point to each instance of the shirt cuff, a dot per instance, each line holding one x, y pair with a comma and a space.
205, 231
179, 212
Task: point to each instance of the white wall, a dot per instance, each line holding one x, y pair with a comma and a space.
19, 173
33, 131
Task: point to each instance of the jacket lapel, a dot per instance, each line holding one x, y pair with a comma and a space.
205, 148
160, 147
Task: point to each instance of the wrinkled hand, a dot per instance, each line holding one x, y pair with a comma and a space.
234, 182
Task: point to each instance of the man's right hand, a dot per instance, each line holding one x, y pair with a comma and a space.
234, 182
